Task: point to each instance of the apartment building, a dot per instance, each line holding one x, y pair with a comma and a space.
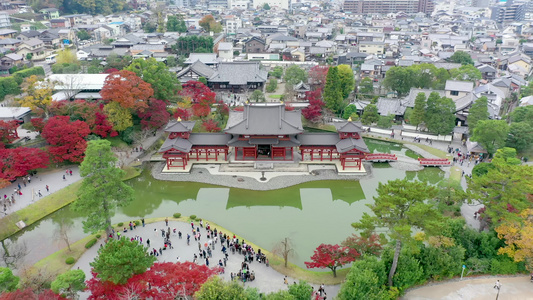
388, 6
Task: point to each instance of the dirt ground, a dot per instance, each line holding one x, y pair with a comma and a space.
512, 288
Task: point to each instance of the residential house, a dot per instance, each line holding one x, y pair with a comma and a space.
60, 23
25, 27
495, 97
28, 35
6, 33
50, 13
50, 40
4, 19
487, 72
102, 33
225, 51
238, 77
254, 45
519, 64
118, 28
375, 48
9, 61
9, 43
35, 47
504, 84
137, 49
458, 89
209, 59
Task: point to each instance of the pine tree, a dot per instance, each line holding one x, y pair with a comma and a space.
478, 112
419, 111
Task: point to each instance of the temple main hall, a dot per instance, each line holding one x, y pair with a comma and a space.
264, 133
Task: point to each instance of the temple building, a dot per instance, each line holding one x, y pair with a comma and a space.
264, 133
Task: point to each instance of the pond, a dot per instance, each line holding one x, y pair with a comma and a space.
309, 214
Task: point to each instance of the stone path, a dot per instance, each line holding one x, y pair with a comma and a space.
267, 279
512, 288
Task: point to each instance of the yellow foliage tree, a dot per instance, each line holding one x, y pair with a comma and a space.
119, 116
67, 56
518, 237
38, 93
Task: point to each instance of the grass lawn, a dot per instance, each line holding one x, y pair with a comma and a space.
275, 96
47, 205
456, 173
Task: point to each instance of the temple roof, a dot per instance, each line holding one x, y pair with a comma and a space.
348, 126
346, 145
180, 126
195, 139
332, 139
264, 120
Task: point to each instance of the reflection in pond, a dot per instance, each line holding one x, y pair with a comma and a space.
309, 213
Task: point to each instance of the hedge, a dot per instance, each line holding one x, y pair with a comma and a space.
177, 215
10, 85
70, 260
90, 243
20, 75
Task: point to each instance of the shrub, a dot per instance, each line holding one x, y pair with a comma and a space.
177, 215
98, 236
70, 260
90, 243
193, 217
137, 222
120, 224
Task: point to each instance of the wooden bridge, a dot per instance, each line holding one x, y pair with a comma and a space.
434, 162
380, 157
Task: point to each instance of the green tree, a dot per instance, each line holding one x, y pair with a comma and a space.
466, 73
69, 284
172, 61
119, 116
165, 83
67, 56
523, 114
419, 110
507, 155
346, 80
349, 111
102, 189
461, 57
150, 27
266, 6
366, 88
277, 72
119, 260
333, 91
257, 96
479, 111
272, 85
400, 80
503, 190
366, 279
440, 114
295, 74
491, 134
370, 114
301, 290
216, 288
8, 281
83, 35
520, 136
401, 207
203, 80
385, 121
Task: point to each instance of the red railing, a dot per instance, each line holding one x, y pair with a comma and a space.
381, 156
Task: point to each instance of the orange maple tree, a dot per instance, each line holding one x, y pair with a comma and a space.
127, 89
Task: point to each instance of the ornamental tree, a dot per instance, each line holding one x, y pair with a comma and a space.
313, 112
517, 235
8, 131
119, 260
38, 93
401, 206
127, 89
29, 294
197, 92
8, 281
332, 257
16, 162
346, 80
155, 116
69, 283
364, 245
210, 126
317, 76
118, 116
66, 138
165, 83
182, 113
102, 188
38, 124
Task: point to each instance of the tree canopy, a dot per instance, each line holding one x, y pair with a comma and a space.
491, 134
102, 189
466, 73
333, 96
295, 74
69, 283
479, 111
127, 89
346, 80
440, 114
164, 83
461, 57
8, 281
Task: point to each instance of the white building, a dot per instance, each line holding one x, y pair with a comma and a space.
4, 19
232, 24
283, 4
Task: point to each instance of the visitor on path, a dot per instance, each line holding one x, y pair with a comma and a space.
47, 189
64, 178
166, 221
142, 220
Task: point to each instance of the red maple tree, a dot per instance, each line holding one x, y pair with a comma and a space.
128, 89
67, 139
313, 112
210, 126
155, 116
200, 110
38, 124
182, 113
364, 245
90, 113
8, 131
197, 92
317, 76
28, 294
161, 281
16, 162
332, 257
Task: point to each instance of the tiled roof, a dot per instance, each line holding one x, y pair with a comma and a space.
265, 120
239, 73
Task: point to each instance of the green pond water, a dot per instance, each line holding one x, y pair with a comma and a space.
310, 213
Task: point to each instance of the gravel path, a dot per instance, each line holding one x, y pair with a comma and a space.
267, 279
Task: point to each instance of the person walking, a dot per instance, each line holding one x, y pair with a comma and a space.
142, 220
166, 222
47, 189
